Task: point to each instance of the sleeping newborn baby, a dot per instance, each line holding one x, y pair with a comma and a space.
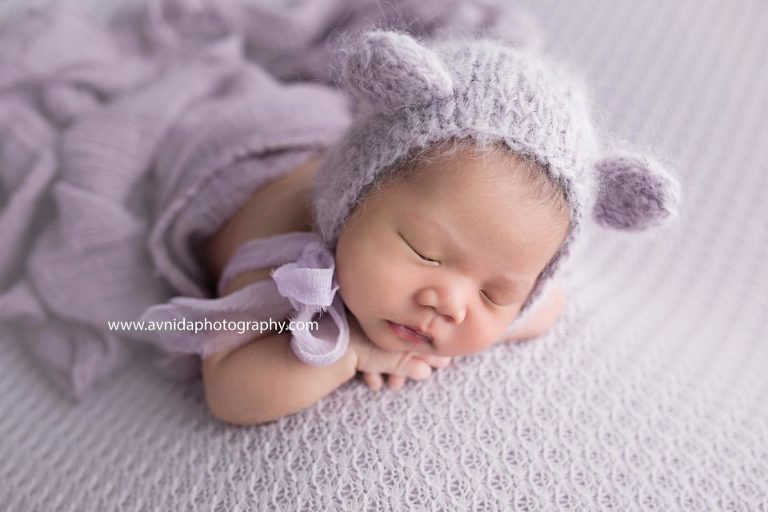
435, 228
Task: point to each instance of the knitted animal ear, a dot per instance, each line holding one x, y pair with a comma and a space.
390, 70
634, 193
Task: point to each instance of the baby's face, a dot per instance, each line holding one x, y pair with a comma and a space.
452, 252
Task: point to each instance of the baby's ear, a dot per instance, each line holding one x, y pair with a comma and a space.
390, 70
634, 193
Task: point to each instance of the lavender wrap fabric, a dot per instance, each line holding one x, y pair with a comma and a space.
310, 286
124, 144
303, 286
121, 148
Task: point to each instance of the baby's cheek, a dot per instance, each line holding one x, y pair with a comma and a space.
487, 333
366, 279
473, 338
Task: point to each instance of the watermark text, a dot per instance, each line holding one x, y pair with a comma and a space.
205, 325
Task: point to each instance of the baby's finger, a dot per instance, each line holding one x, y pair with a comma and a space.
396, 382
417, 369
374, 380
437, 361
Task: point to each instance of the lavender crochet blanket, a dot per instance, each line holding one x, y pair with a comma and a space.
648, 395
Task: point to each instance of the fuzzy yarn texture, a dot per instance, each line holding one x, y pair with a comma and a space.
629, 198
416, 94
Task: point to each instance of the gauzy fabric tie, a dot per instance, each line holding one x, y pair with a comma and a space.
309, 284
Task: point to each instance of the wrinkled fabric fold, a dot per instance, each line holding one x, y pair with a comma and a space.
265, 253
310, 285
126, 144
302, 289
120, 153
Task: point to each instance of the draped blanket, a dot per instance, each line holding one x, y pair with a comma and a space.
121, 150
124, 144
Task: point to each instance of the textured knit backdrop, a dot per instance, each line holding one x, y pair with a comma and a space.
650, 394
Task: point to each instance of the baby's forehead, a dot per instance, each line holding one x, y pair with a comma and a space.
487, 174
468, 171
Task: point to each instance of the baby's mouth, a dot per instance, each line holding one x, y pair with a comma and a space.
410, 333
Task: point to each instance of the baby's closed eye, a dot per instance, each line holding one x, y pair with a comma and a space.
488, 298
419, 253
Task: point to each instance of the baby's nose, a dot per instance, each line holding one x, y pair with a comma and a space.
446, 302
453, 309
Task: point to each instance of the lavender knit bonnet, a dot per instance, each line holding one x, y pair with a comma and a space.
414, 94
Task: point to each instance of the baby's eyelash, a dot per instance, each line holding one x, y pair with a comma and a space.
430, 260
485, 295
425, 258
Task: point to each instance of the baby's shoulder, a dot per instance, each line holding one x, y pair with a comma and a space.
281, 206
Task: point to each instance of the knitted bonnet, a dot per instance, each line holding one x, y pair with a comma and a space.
414, 94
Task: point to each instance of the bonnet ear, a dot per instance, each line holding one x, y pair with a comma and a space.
634, 193
390, 70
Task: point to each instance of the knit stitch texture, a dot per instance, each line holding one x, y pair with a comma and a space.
415, 95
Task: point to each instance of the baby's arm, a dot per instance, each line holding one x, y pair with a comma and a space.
545, 316
263, 380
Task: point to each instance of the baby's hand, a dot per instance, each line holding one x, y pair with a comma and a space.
373, 362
